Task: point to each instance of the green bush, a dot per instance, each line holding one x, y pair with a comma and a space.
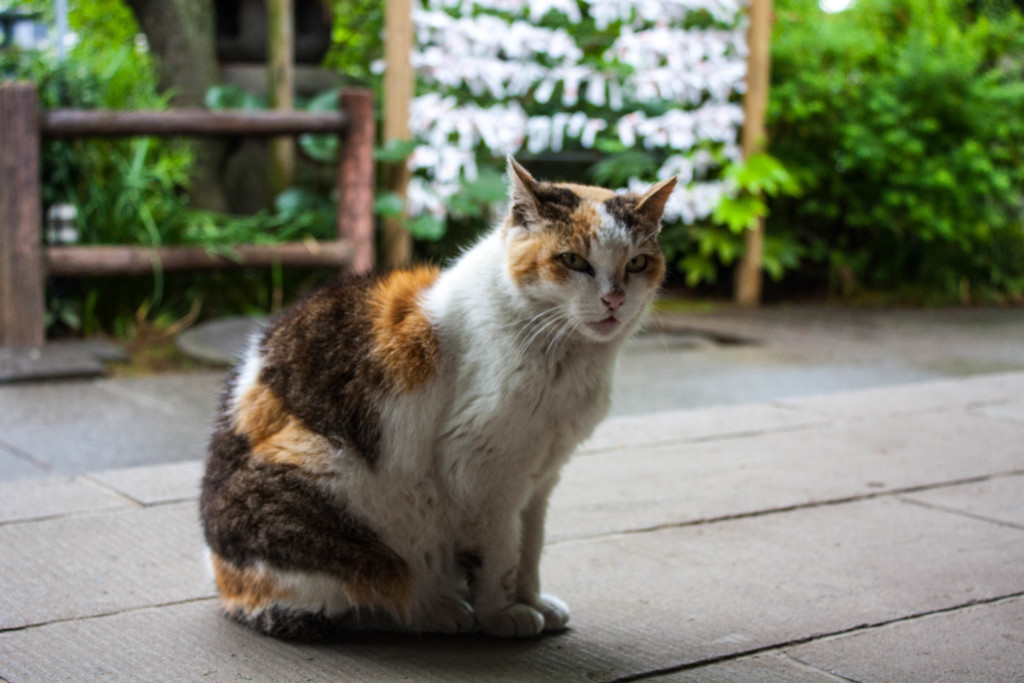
902, 121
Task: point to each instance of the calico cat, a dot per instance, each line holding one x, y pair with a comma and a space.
386, 449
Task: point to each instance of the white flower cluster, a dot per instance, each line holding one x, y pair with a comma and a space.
605, 12
510, 60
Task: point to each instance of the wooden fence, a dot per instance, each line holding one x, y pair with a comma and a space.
25, 262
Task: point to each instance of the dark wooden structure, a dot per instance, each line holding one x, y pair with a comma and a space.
25, 262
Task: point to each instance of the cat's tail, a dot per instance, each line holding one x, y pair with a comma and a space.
295, 605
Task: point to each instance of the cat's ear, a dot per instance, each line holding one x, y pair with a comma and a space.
524, 193
652, 204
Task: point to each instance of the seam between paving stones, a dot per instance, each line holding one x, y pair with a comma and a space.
963, 513
25, 456
778, 647
893, 493
806, 666
112, 613
967, 408
723, 436
121, 494
129, 506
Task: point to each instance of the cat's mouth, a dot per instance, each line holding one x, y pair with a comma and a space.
606, 326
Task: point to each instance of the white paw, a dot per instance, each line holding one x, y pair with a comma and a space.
554, 611
451, 615
515, 621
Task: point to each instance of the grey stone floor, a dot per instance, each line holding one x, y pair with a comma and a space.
793, 494
867, 535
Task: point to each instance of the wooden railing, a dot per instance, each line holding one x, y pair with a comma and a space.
25, 262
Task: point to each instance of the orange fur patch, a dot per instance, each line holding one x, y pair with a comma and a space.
524, 256
259, 413
404, 340
247, 589
275, 436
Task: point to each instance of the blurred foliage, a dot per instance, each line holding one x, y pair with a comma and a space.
902, 121
356, 38
135, 190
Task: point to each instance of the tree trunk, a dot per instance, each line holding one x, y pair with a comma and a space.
182, 38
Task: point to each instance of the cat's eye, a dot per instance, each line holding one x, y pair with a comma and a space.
575, 262
637, 263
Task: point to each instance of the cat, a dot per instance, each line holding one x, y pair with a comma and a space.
386, 448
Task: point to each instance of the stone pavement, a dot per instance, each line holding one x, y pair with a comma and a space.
867, 535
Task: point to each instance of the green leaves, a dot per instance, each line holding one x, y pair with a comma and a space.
909, 142
740, 212
762, 173
616, 169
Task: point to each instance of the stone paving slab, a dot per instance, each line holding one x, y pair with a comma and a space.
1000, 499
54, 498
922, 397
1011, 411
687, 426
46, 404
17, 464
981, 643
793, 559
767, 668
57, 360
642, 602
80, 427
154, 484
85, 566
651, 487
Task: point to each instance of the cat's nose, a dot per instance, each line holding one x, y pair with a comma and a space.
613, 299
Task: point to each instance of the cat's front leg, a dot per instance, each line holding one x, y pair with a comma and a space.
493, 577
554, 611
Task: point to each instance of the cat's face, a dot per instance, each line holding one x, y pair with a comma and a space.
588, 259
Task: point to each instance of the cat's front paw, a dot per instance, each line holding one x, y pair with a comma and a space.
451, 615
554, 611
515, 621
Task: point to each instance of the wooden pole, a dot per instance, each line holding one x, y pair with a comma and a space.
754, 136
21, 224
280, 89
356, 178
95, 260
396, 243
81, 123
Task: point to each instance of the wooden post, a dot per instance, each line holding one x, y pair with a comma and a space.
396, 243
356, 178
21, 273
755, 102
280, 89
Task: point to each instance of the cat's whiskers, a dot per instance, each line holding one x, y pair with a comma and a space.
551, 319
560, 338
536, 324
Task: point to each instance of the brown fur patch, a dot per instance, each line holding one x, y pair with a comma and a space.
404, 340
589, 192
247, 589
